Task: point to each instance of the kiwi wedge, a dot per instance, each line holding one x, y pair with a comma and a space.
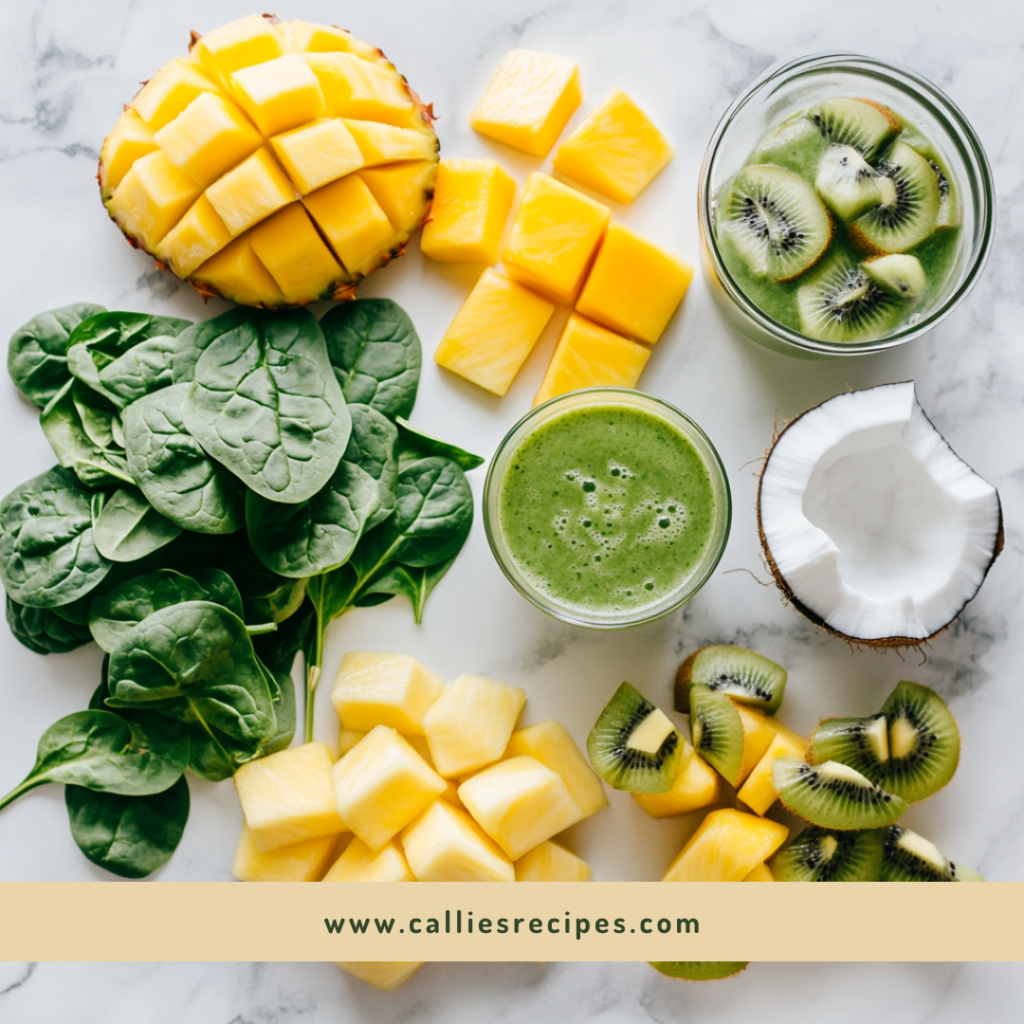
830, 855
861, 743
747, 677
909, 857
717, 732
834, 795
841, 303
847, 183
699, 970
846, 121
633, 745
898, 273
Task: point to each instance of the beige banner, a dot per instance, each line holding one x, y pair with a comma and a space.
225, 921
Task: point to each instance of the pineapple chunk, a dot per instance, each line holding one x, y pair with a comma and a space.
169, 92
361, 864
317, 153
472, 200
550, 743
400, 189
207, 138
251, 192
762, 873
493, 332
589, 356
347, 739
469, 725
519, 803
194, 239
385, 975
384, 143
726, 848
131, 138
617, 151
758, 792
351, 220
446, 845
550, 862
287, 798
152, 198
695, 786
451, 792
279, 94
357, 88
240, 44
305, 37
235, 273
555, 234
298, 862
529, 101
757, 738
381, 784
633, 287
384, 689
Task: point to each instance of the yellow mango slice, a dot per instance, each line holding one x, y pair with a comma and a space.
279, 94
400, 190
251, 192
151, 198
384, 689
757, 738
240, 44
386, 976
529, 101
762, 873
300, 862
384, 143
305, 37
696, 785
445, 844
317, 153
235, 273
616, 151
130, 139
351, 220
550, 862
169, 92
356, 88
361, 864
194, 239
726, 848
758, 792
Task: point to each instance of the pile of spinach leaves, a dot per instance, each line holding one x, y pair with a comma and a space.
225, 490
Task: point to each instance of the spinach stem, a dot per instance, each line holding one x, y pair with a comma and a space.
30, 783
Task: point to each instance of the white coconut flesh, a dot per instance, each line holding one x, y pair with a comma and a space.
874, 524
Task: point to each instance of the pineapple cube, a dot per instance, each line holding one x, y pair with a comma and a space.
758, 792
633, 287
550, 743
726, 848
493, 332
451, 792
529, 101
695, 786
361, 864
194, 239
469, 725
305, 37
347, 739
317, 153
757, 738
400, 189
762, 873
279, 94
240, 44
290, 247
286, 797
251, 192
236, 273
519, 803
550, 862
351, 220
385, 975
617, 151
384, 689
169, 92
357, 88
384, 143
298, 862
555, 234
207, 138
472, 200
445, 844
588, 356
381, 784
130, 139
152, 197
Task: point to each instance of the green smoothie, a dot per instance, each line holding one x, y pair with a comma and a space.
606, 509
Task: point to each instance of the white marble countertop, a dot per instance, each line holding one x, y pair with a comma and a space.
68, 67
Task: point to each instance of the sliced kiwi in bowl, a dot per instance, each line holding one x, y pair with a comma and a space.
898, 273
864, 125
839, 302
847, 183
830, 855
909, 857
747, 677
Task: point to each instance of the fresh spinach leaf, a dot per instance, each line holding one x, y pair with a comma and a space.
277, 650
42, 630
194, 340
415, 445
415, 583
373, 446
282, 689
127, 527
142, 370
266, 596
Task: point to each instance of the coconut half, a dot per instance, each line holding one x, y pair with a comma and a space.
871, 524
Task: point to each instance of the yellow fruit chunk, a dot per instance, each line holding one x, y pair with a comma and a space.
403, 191
472, 199
289, 246
757, 738
356, 88
493, 332
468, 726
780, 730
384, 143
726, 848
152, 198
758, 792
194, 239
279, 94
299, 862
529, 101
445, 844
317, 153
696, 785
589, 356
762, 873
385, 975
352, 221
287, 797
550, 862
384, 689
240, 44
347, 739
554, 236
550, 743
235, 273
617, 151
130, 139
451, 792
169, 92
633, 287
361, 864
305, 37
207, 138
381, 784
254, 190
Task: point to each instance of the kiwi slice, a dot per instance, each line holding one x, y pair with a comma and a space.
833, 795
847, 182
717, 732
830, 855
776, 221
841, 303
633, 745
699, 970
796, 144
861, 743
747, 677
898, 273
860, 123
909, 857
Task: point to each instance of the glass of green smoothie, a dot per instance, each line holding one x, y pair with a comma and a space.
607, 507
846, 206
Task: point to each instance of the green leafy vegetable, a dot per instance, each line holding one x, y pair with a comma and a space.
415, 583
282, 689
277, 650
127, 527
415, 445
266, 596
373, 446
141, 370
194, 340
42, 630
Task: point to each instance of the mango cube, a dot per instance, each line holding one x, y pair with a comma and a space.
298, 862
757, 738
251, 192
384, 689
550, 862
616, 151
633, 287
762, 873
151, 198
493, 332
445, 844
169, 92
469, 725
529, 101
588, 356
279, 94
194, 239
306, 37
554, 236
726, 848
400, 189
381, 784
130, 139
758, 792
385, 143
287, 797
240, 44
290, 247
356, 88
385, 975
351, 220
696, 785
237, 274
317, 153
361, 864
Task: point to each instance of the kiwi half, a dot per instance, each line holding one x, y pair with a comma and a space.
633, 745
830, 855
717, 732
841, 303
699, 970
861, 743
909, 857
860, 123
747, 677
